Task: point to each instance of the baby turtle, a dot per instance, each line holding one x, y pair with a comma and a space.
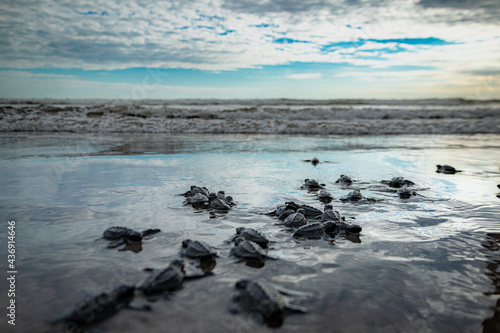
247, 249
324, 196
115, 233
122, 235
405, 193
252, 235
446, 169
264, 298
310, 212
352, 229
311, 184
398, 182
219, 204
161, 280
353, 196
197, 249
296, 219
346, 180
99, 307
198, 201
314, 230
330, 215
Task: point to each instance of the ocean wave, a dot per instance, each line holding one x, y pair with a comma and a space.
340, 117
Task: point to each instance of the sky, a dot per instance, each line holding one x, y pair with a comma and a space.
318, 49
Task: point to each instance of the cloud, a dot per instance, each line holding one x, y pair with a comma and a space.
218, 35
304, 76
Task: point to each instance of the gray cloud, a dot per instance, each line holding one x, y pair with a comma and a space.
486, 11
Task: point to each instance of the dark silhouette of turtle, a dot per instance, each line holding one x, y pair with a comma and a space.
197, 249
246, 249
330, 215
296, 219
252, 235
311, 185
101, 306
324, 196
123, 235
345, 180
405, 193
315, 230
266, 299
164, 280
398, 182
446, 169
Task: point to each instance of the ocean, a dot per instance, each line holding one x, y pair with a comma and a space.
429, 263
342, 117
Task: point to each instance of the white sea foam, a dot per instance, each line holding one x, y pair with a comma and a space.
253, 116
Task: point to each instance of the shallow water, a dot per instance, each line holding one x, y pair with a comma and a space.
426, 264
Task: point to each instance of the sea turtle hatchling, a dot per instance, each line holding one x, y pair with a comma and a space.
315, 230
123, 235
98, 307
197, 249
247, 249
331, 215
398, 182
405, 193
343, 179
198, 200
311, 184
353, 196
324, 196
252, 235
266, 299
296, 219
446, 169
163, 280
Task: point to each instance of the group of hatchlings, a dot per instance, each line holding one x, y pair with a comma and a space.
249, 244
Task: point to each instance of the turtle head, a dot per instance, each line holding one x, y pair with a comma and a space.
242, 284
239, 230
328, 207
439, 166
186, 242
306, 180
212, 196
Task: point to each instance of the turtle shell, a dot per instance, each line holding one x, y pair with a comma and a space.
446, 169
313, 230
261, 297
218, 204
167, 279
310, 212
343, 179
349, 228
121, 233
249, 250
197, 249
405, 193
354, 195
311, 184
253, 235
296, 219
330, 215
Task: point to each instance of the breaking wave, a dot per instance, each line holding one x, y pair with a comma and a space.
340, 117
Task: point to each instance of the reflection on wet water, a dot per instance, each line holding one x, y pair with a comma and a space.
491, 248
424, 264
